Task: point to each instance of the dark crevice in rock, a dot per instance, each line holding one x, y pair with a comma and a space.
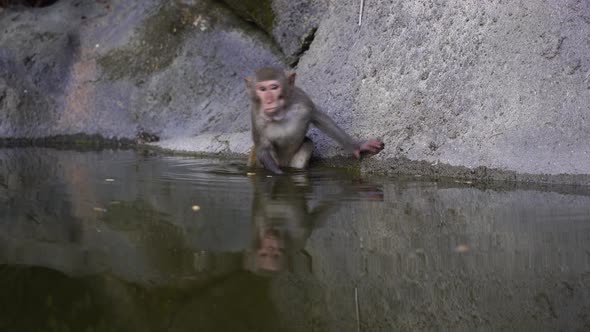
258, 15
143, 136
256, 11
26, 3
304, 46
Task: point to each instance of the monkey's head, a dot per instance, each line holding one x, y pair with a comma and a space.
270, 89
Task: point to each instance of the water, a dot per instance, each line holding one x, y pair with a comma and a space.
123, 241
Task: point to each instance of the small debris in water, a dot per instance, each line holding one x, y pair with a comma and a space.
356, 301
195, 208
99, 209
269, 176
109, 180
197, 21
250, 174
462, 248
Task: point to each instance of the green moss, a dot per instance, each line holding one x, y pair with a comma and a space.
155, 47
258, 11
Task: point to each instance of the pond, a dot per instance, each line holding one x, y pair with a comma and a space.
124, 240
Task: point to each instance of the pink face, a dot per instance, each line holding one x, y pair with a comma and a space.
270, 255
269, 93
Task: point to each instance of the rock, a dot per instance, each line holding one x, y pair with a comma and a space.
498, 86
170, 68
502, 66
232, 143
292, 24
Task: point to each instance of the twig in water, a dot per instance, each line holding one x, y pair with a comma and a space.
358, 318
361, 12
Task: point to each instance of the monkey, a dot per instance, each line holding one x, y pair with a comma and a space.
283, 220
287, 209
281, 116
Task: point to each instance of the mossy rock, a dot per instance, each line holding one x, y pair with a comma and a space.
258, 12
155, 46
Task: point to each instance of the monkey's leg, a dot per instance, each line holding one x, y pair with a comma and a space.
252, 158
301, 157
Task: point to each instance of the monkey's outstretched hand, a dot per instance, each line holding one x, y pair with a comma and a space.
371, 146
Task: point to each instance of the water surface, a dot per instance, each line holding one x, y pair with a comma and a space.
125, 241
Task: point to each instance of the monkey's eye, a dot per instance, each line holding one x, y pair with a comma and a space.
274, 87
261, 89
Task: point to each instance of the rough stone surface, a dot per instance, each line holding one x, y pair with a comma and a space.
292, 24
226, 144
295, 25
495, 84
118, 68
503, 86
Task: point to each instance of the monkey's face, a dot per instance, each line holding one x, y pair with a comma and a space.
270, 94
270, 255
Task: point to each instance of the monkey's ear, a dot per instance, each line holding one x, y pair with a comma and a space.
248, 81
291, 78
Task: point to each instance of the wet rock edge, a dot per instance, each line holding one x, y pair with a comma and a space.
401, 168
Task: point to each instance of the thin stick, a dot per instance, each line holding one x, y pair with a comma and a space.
358, 318
361, 12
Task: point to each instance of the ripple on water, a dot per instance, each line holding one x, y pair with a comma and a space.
192, 242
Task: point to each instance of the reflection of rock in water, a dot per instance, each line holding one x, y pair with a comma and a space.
38, 299
283, 220
421, 256
527, 266
284, 216
61, 212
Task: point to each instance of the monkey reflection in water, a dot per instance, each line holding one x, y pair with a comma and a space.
283, 220
281, 116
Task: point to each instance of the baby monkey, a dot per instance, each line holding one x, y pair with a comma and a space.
281, 115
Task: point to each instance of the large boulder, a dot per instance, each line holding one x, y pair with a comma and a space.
467, 83
119, 68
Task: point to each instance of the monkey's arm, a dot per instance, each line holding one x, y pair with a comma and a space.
324, 123
262, 149
327, 125
265, 157
252, 157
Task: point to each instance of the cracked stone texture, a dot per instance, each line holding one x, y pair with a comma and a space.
464, 83
296, 23
290, 23
230, 143
469, 83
